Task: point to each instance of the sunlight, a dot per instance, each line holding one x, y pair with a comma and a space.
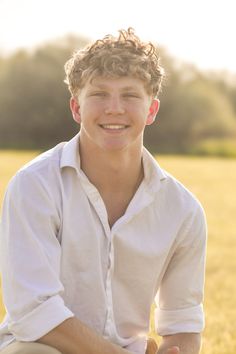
197, 32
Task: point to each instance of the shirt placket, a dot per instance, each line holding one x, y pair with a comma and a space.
99, 206
109, 329
137, 204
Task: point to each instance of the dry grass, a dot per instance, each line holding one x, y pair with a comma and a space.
10, 162
212, 180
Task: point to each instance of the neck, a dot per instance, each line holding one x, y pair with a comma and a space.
109, 169
116, 175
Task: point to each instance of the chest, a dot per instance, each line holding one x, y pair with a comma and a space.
90, 235
94, 231
116, 205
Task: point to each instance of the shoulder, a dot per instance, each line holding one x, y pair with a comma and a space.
173, 196
176, 191
49, 159
179, 205
185, 200
41, 172
189, 209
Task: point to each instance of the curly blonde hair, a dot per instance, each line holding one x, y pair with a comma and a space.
125, 55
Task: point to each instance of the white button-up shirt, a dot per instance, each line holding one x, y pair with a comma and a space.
60, 258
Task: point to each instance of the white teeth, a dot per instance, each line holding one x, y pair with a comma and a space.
113, 126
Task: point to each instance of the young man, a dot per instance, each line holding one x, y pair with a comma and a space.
94, 230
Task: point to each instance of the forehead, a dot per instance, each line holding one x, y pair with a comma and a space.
120, 83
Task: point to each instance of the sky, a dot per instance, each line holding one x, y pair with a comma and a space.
201, 32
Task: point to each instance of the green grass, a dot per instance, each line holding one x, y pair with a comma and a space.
212, 180
216, 147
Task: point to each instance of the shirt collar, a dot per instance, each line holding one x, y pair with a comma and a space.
70, 154
153, 173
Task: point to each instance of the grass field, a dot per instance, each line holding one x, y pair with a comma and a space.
212, 180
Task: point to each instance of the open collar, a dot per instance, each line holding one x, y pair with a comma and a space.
153, 173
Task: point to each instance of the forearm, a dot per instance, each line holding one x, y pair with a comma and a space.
188, 343
73, 337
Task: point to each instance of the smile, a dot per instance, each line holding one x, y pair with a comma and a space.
113, 126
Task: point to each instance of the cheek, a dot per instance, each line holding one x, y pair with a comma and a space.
140, 112
91, 108
141, 108
84, 110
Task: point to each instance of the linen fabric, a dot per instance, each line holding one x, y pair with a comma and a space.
60, 258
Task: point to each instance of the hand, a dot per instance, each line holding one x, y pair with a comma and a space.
172, 350
152, 348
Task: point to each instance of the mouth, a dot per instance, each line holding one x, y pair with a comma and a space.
113, 126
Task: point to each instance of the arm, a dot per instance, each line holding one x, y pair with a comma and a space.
188, 343
73, 337
179, 301
30, 262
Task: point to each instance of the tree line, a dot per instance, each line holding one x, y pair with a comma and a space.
197, 112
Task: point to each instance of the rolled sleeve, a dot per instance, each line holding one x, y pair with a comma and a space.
190, 320
30, 258
33, 325
180, 297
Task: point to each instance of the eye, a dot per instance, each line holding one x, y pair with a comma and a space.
98, 94
131, 95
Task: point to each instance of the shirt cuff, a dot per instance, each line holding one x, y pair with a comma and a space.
41, 320
188, 320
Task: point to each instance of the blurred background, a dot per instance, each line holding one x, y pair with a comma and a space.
196, 45
194, 135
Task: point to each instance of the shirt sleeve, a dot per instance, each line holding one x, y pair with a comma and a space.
179, 301
30, 258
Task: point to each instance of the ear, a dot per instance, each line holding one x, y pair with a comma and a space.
153, 110
75, 109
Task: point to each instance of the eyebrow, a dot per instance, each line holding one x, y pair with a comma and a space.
103, 87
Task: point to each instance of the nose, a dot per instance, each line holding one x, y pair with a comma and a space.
114, 106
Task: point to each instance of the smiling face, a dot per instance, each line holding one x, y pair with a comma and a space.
113, 113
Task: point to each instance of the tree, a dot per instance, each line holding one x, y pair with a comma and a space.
34, 104
34, 109
192, 110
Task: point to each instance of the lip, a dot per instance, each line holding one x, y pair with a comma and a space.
113, 127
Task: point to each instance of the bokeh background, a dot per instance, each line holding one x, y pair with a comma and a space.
196, 45
194, 136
